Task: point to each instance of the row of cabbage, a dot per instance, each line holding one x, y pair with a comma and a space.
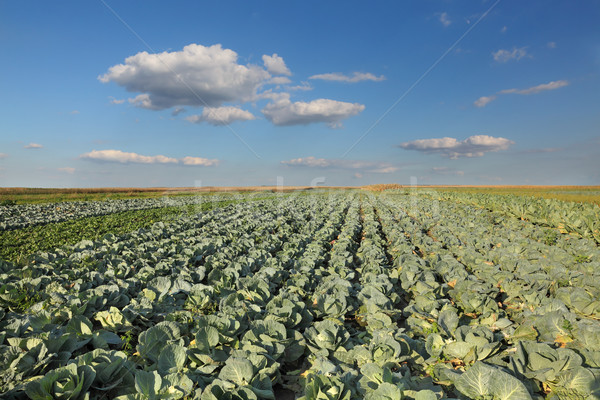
203, 298
284, 294
580, 218
115, 276
24, 215
511, 303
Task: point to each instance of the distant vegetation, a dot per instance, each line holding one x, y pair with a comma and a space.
585, 194
12, 196
579, 194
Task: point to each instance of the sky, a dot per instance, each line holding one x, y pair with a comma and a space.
136, 94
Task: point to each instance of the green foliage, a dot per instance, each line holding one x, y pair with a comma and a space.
18, 299
485, 381
343, 296
17, 245
127, 340
323, 388
70, 382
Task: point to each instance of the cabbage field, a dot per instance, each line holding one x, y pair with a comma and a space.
417, 295
24, 215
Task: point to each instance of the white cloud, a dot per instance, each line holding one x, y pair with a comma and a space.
444, 19
199, 161
473, 146
484, 100
275, 65
118, 156
551, 45
3, 155
221, 116
366, 166
125, 157
504, 29
358, 175
284, 112
211, 77
356, 77
116, 101
68, 170
309, 162
536, 89
143, 101
273, 96
75, 112
279, 80
304, 86
177, 111
33, 146
507, 55
194, 76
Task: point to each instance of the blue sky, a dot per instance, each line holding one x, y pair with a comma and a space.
107, 93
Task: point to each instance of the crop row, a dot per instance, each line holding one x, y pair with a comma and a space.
582, 219
535, 304
24, 215
133, 279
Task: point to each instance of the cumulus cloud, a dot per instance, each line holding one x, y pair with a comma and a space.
473, 146
211, 77
275, 65
484, 100
221, 116
125, 157
536, 89
68, 170
143, 101
367, 166
199, 161
122, 157
273, 96
283, 112
503, 55
356, 77
444, 19
279, 80
195, 76
33, 146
